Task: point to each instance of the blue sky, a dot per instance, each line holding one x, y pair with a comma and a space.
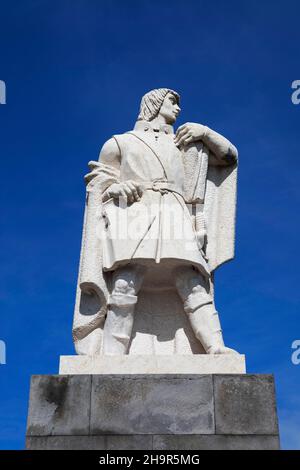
75, 72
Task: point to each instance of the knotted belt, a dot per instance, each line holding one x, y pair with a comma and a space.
163, 186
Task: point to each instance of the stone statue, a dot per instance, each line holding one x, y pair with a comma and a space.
159, 220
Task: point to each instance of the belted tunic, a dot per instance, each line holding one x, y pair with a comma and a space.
160, 226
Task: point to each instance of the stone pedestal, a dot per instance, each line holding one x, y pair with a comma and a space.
158, 411
160, 364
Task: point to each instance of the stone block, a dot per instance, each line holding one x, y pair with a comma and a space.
59, 405
147, 364
215, 442
66, 443
129, 442
245, 404
152, 404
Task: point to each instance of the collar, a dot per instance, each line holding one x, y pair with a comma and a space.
148, 126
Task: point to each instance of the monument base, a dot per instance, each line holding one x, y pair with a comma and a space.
160, 364
165, 411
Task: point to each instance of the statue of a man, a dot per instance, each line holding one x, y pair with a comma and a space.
190, 173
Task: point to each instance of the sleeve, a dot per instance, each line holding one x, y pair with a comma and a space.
222, 151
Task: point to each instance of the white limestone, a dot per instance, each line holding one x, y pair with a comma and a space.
147, 364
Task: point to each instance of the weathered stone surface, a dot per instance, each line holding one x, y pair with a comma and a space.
152, 405
245, 404
66, 443
173, 412
130, 442
157, 442
149, 364
215, 442
59, 405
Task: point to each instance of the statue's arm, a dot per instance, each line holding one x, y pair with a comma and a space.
110, 156
222, 150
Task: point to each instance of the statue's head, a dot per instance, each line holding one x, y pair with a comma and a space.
162, 101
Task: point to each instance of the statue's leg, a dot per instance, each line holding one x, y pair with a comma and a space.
193, 289
126, 283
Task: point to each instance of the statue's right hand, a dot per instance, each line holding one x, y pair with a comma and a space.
129, 190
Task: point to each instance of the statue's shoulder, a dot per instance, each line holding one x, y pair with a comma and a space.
114, 143
123, 140
125, 136
110, 147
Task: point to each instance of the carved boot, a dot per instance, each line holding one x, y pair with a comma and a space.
194, 290
118, 324
206, 326
121, 305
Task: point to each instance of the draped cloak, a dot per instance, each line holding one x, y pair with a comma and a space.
177, 185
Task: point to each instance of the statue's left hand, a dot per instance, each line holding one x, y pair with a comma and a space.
189, 132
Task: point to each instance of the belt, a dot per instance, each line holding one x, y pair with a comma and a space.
163, 187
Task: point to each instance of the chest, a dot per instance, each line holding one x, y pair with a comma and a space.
146, 156
159, 147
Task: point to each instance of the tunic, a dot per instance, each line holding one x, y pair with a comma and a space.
159, 227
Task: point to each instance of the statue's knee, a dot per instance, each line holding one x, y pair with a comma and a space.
196, 300
128, 280
189, 281
123, 294
193, 289
126, 284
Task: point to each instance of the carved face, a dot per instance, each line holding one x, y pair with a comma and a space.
170, 109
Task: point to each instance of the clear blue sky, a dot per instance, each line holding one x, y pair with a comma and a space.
75, 72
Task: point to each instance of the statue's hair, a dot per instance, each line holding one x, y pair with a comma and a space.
152, 101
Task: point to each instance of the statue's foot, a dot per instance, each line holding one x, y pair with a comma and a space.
221, 350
